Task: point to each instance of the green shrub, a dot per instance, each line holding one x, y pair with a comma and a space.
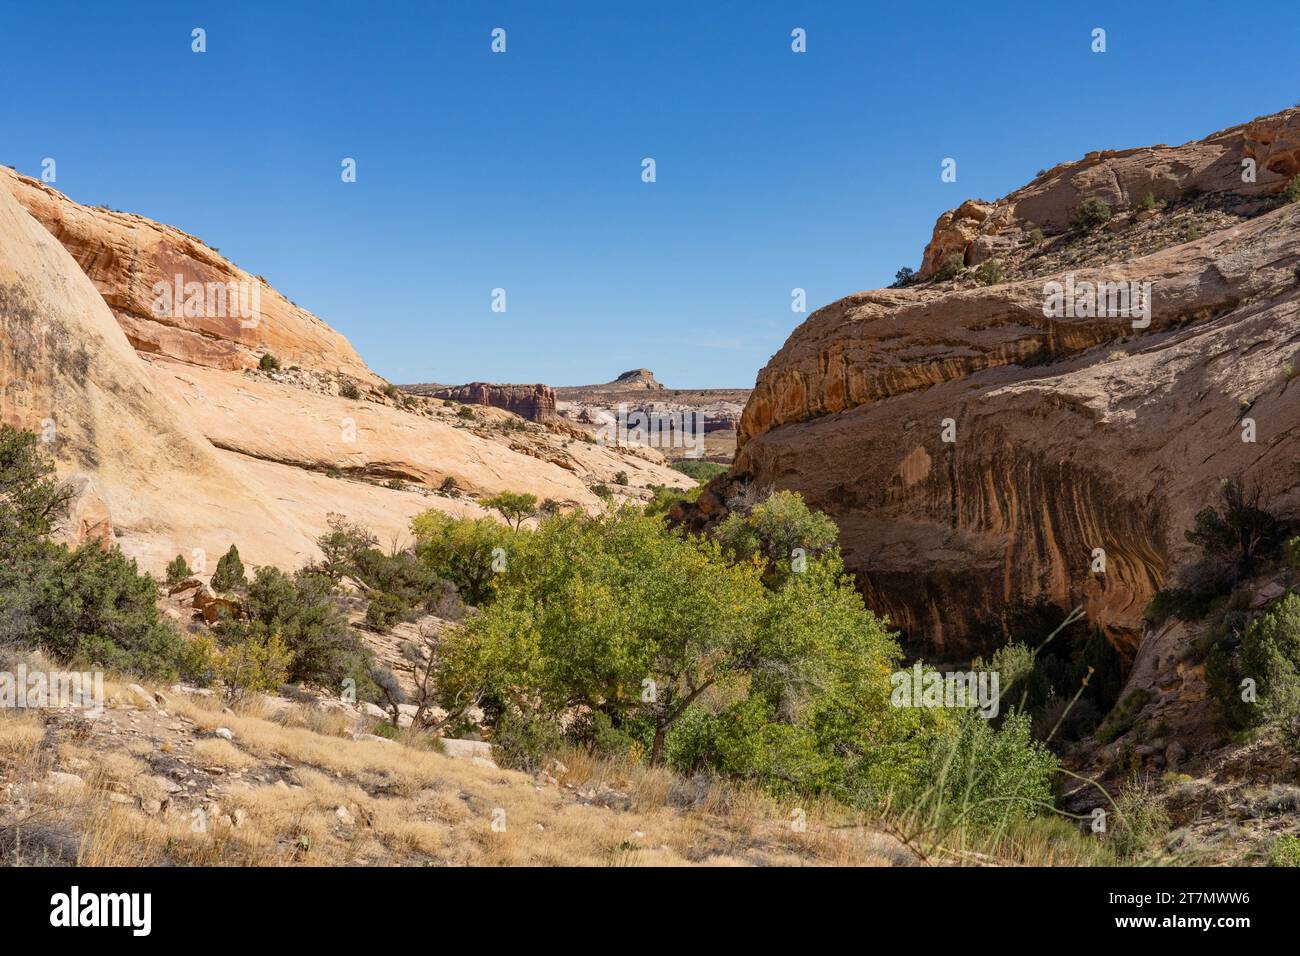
464, 551
229, 575
1139, 822
1291, 193
1148, 203
385, 610
524, 741
1090, 214
254, 664
774, 529
1285, 851
466, 412
178, 570
621, 478
300, 611
348, 389
602, 491
985, 779
450, 486
990, 272
268, 363
699, 469
904, 277
950, 268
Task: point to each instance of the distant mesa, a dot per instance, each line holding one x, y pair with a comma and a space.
533, 402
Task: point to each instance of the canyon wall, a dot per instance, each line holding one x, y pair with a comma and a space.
974, 452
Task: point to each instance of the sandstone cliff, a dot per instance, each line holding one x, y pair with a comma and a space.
1067, 434
127, 257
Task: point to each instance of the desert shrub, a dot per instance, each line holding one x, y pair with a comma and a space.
1293, 553
1291, 193
1269, 655
904, 277
348, 389
300, 611
466, 412
268, 363
1241, 532
523, 741
602, 491
950, 268
1034, 237
699, 469
178, 570
464, 551
254, 664
86, 605
392, 391
1090, 214
1285, 851
662, 499
621, 478
385, 610
450, 486
229, 575
990, 272
1139, 821
341, 545
94, 606
197, 663
1148, 203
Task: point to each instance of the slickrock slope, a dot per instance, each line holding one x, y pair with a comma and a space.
125, 255
68, 371
1071, 434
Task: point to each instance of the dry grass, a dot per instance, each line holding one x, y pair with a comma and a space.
399, 804
295, 789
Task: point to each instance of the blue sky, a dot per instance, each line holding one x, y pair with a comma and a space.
775, 170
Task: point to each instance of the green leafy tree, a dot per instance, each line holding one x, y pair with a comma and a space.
774, 529
465, 551
516, 507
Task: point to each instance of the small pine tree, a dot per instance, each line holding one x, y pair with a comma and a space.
230, 572
178, 570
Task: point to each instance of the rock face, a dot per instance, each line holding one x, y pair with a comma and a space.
129, 259
533, 402
974, 451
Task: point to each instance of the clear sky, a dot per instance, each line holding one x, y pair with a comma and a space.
522, 170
